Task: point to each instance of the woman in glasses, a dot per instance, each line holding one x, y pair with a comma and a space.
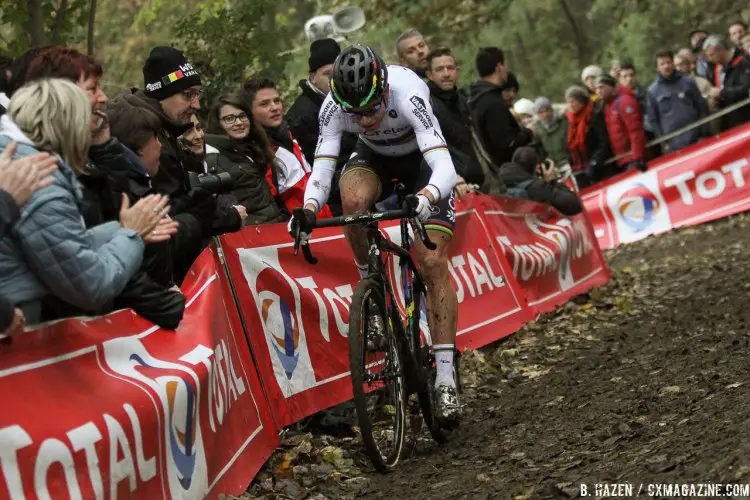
239, 147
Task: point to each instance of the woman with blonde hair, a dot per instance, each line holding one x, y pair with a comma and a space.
49, 253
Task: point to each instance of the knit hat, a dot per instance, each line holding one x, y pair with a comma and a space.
578, 93
323, 52
541, 103
607, 79
524, 106
167, 72
589, 71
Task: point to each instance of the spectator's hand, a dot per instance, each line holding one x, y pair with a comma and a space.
144, 216
549, 171
714, 94
22, 178
242, 211
462, 188
163, 231
99, 128
17, 325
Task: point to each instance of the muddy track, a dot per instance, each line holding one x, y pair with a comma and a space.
645, 380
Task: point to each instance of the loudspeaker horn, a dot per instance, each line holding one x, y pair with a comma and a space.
319, 27
348, 19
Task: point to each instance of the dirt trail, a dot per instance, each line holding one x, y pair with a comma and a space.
644, 380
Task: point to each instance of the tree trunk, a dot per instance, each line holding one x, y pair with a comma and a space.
92, 21
35, 13
578, 36
62, 11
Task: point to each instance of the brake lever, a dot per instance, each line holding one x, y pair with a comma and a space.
308, 254
297, 233
420, 230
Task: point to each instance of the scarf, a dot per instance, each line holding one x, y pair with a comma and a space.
578, 125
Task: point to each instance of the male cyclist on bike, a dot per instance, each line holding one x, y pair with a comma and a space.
399, 137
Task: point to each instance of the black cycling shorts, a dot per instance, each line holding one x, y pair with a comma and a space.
412, 171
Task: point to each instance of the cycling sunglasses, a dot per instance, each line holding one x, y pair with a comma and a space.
367, 112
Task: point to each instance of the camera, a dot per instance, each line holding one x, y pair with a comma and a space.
215, 183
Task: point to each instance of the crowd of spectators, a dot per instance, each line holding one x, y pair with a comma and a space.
105, 204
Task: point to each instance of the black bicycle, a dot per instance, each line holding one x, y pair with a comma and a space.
390, 363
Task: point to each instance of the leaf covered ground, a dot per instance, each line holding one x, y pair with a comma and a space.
644, 380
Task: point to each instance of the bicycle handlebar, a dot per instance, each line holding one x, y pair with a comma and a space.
407, 212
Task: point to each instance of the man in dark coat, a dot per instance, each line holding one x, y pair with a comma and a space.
452, 112
302, 117
498, 130
736, 84
172, 92
674, 101
528, 177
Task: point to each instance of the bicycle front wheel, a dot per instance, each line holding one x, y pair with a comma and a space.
377, 373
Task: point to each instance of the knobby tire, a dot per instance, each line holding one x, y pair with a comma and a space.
370, 289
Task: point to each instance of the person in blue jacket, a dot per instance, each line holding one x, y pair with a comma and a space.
674, 101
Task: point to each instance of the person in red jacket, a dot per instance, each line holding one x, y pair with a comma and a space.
624, 123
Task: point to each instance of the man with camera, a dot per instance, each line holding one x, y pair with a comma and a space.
527, 177
172, 92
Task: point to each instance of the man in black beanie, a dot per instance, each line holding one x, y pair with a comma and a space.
302, 117
172, 91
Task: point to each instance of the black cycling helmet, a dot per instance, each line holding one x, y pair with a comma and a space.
359, 77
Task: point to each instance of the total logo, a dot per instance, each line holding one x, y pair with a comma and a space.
279, 322
638, 207
278, 301
178, 388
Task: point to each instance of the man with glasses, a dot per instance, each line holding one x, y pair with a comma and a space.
172, 91
399, 137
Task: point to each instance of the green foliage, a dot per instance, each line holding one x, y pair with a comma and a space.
63, 21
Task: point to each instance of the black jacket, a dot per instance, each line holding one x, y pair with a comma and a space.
103, 183
173, 178
452, 112
302, 118
9, 214
599, 151
497, 128
250, 187
736, 88
539, 190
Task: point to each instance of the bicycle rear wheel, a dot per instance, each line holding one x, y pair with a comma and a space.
378, 381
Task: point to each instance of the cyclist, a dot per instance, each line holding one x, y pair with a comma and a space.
399, 137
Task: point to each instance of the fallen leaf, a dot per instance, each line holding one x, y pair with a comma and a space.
734, 385
331, 453
284, 470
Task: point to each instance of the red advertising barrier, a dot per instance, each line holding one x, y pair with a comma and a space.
297, 314
553, 257
703, 182
113, 407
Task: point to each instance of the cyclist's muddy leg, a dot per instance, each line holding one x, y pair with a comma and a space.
359, 190
441, 297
